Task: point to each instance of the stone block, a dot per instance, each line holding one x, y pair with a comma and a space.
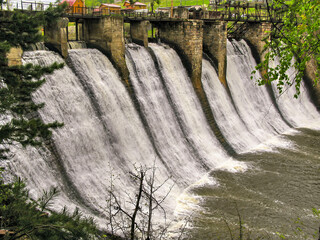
107, 35
215, 45
139, 32
186, 38
56, 36
14, 57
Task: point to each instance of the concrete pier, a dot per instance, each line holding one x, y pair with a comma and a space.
56, 36
139, 32
187, 38
107, 35
215, 45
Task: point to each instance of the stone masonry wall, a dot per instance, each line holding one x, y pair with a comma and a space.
215, 45
181, 12
186, 37
255, 37
107, 35
139, 32
14, 57
56, 36
255, 34
310, 75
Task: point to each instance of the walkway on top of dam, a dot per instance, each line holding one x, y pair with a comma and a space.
230, 11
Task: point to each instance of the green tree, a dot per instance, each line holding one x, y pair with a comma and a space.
21, 216
294, 42
153, 2
24, 218
95, 3
17, 83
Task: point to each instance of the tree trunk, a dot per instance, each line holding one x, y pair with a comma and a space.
133, 219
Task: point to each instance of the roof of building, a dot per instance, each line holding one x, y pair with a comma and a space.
69, 2
110, 5
139, 4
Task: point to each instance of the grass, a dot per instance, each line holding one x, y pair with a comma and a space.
163, 3
167, 3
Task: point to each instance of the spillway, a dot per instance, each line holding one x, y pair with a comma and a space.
280, 185
229, 120
106, 136
304, 113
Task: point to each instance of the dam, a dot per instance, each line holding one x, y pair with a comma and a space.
185, 105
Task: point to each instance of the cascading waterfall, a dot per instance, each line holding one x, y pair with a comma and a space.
42, 168
232, 126
38, 168
188, 109
81, 142
251, 117
101, 128
37, 46
116, 112
304, 111
253, 103
104, 135
281, 184
164, 125
77, 44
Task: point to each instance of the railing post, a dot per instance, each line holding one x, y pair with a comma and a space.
77, 32
247, 10
67, 30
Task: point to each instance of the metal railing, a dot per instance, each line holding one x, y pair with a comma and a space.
25, 5
243, 11
229, 11
146, 14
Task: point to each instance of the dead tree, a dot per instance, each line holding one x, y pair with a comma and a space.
146, 190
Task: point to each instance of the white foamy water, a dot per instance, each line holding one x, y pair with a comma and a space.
189, 109
121, 123
164, 125
253, 102
104, 135
77, 44
300, 112
230, 123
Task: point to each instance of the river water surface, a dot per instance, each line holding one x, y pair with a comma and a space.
276, 194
